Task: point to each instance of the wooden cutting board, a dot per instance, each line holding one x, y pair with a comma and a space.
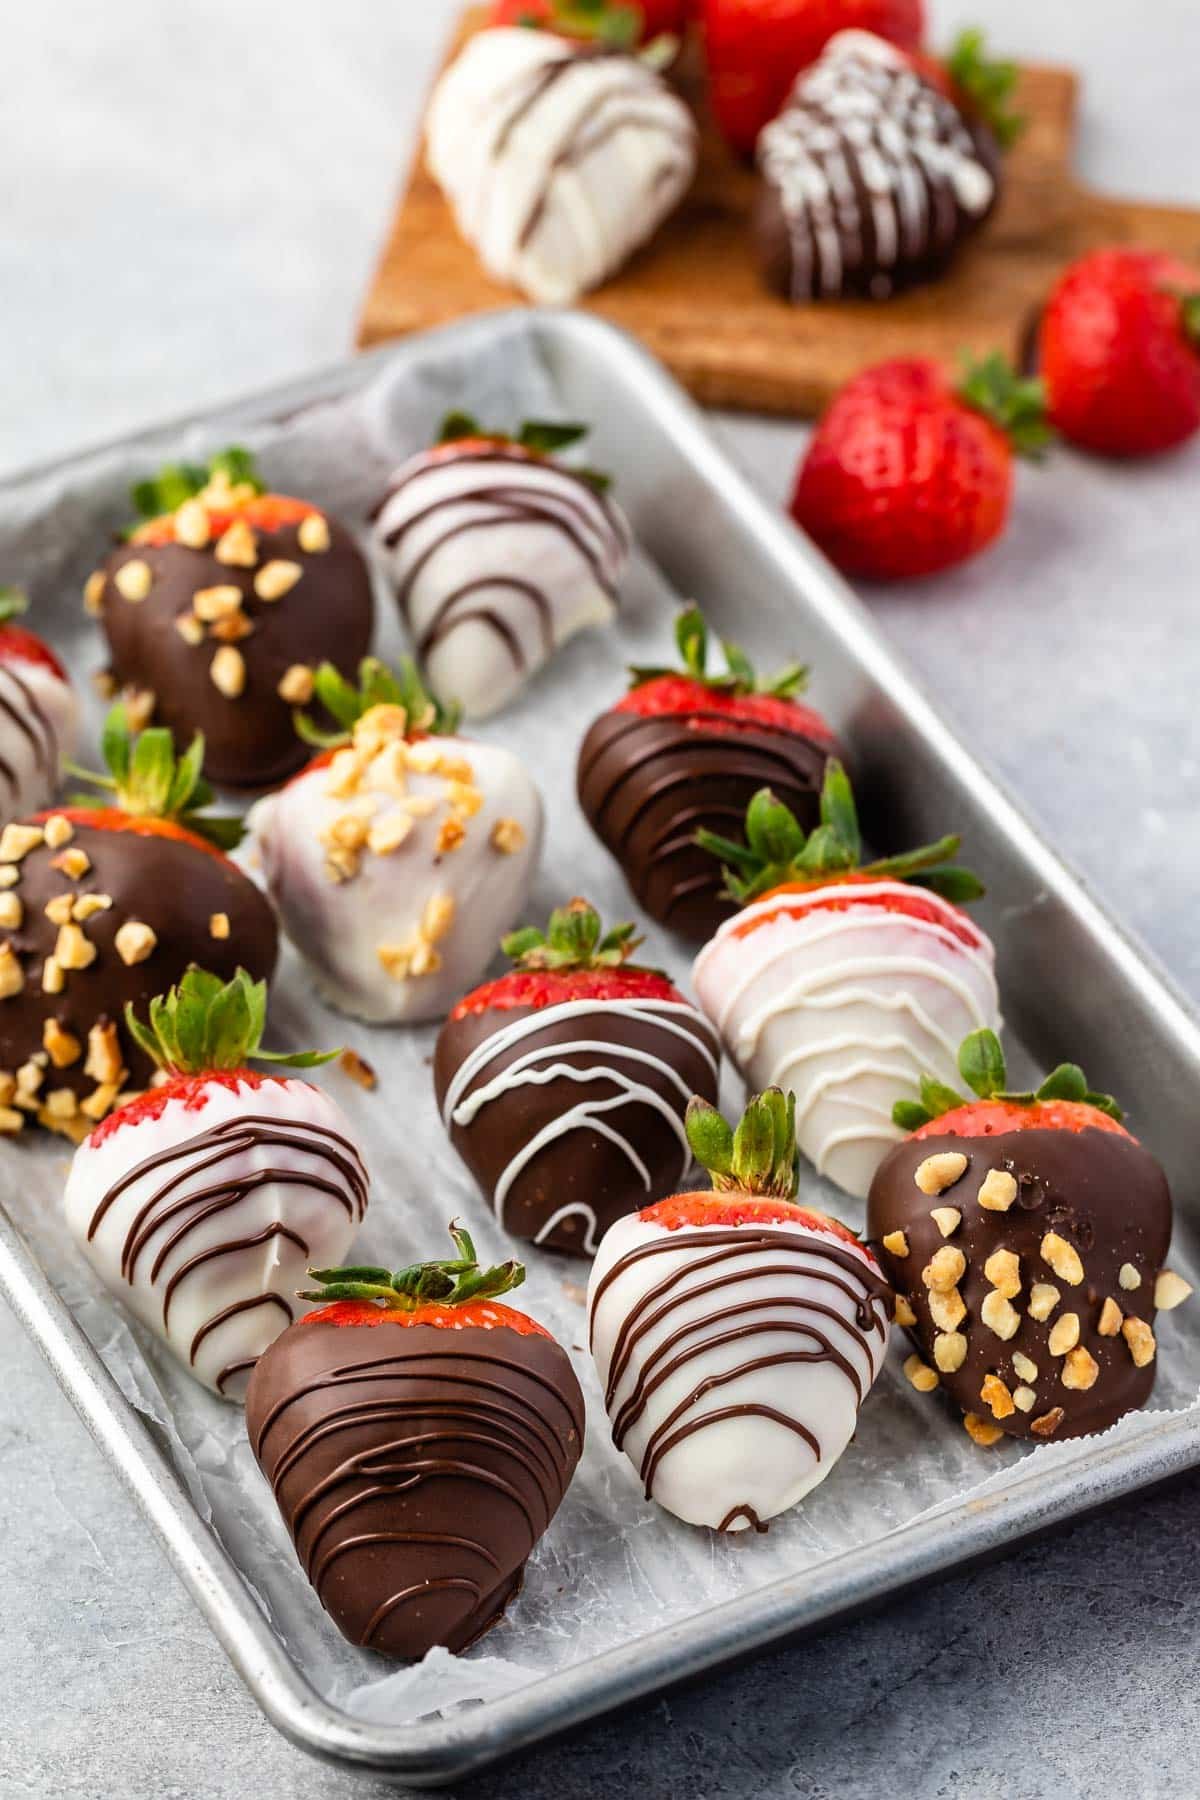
694, 296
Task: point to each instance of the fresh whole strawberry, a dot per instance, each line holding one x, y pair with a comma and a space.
1026, 1235
843, 979
736, 1334
684, 750
908, 474
419, 1436
565, 1083
38, 714
108, 902
201, 1204
756, 48
1120, 352
618, 23
219, 606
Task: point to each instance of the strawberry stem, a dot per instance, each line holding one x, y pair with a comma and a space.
166, 492
541, 437
377, 686
574, 939
759, 1157
205, 1024
451, 1283
988, 84
1015, 404
148, 781
691, 636
982, 1065
13, 602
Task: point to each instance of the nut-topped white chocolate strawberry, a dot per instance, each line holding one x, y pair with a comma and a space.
844, 981
735, 1333
38, 714
498, 553
402, 854
202, 1204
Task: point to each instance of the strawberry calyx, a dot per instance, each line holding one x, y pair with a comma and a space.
1015, 404
985, 85
205, 1025
540, 439
759, 1157
378, 685
732, 1208
1055, 1105
778, 854
1189, 318
615, 24
14, 601
574, 939
148, 781
738, 679
457, 1282
226, 483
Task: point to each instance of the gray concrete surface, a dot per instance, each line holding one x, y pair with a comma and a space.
192, 202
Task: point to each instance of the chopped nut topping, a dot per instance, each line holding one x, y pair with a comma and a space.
8, 1086
72, 950
450, 836
93, 593
54, 979
213, 603
1140, 1338
86, 906
60, 910
228, 672
920, 1374
296, 685
1003, 1270
1025, 1398
62, 1047
1128, 1278
133, 580
939, 1172
904, 1312
313, 535
10, 1122
981, 1431
232, 630
1063, 1258
949, 1351
58, 831
104, 1053
10, 875
139, 704
218, 925
101, 1100
425, 959
419, 806
1000, 1315
455, 768
947, 1310
896, 1244
56, 1118
1080, 1370
12, 913
387, 836
73, 863
16, 841
192, 525
997, 1191
237, 547
995, 1395
437, 918
1025, 1366
1064, 1334
345, 774
135, 942
347, 832
1170, 1290
947, 1219
275, 579
12, 975
190, 629
464, 798
424, 758
396, 959
1109, 1322
945, 1269
358, 1069
1043, 1298
30, 1077
1049, 1423
342, 865
508, 836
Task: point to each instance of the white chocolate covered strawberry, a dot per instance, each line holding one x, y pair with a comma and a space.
202, 1204
842, 981
38, 715
402, 854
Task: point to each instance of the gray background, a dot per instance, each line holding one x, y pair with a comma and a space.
193, 200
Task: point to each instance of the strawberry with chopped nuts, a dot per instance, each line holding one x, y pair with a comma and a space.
1026, 1235
201, 1204
402, 853
38, 714
105, 902
221, 603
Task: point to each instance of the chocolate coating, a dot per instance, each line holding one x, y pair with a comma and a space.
648, 784
415, 1468
328, 615
171, 885
614, 1116
1101, 1192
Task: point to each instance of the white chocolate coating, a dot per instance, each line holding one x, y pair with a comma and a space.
39, 718
396, 937
204, 1221
558, 163
734, 1360
497, 558
849, 1008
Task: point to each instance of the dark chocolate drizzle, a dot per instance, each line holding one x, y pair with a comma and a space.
24, 711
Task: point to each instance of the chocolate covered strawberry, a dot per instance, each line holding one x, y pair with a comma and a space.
38, 714
564, 1084
685, 749
1027, 1234
840, 979
419, 1436
403, 852
219, 606
735, 1333
107, 903
201, 1204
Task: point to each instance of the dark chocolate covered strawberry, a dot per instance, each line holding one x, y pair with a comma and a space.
38, 714
202, 1204
107, 903
222, 603
564, 1085
685, 750
419, 1436
1026, 1235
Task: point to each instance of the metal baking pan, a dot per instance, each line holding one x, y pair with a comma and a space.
1067, 972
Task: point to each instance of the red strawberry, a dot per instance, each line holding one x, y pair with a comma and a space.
1120, 352
17, 645
416, 1468
618, 22
202, 1203
1027, 1234
564, 1085
108, 905
38, 714
685, 750
756, 48
907, 474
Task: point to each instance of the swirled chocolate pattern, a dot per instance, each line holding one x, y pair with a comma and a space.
416, 1467
734, 1359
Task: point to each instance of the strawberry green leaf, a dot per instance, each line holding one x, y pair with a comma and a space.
981, 1061
378, 685
13, 602
988, 85
1067, 1082
738, 676
546, 436
759, 1157
574, 939
937, 1098
909, 1116
981, 1064
1015, 404
177, 482
458, 425
1104, 1103
148, 781
206, 1024
454, 1282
